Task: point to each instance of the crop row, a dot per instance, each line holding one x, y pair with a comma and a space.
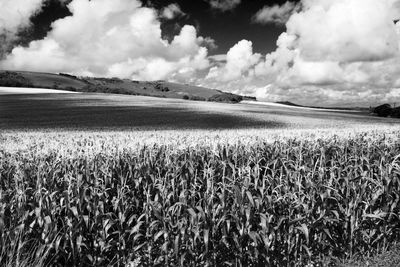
287, 203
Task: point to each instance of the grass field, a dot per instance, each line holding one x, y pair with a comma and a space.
100, 180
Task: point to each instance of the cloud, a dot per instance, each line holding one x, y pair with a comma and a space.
224, 5
345, 30
276, 14
14, 16
111, 38
333, 52
336, 43
239, 60
209, 43
172, 11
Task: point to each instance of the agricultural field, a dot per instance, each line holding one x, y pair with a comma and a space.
215, 133
94, 111
110, 180
221, 198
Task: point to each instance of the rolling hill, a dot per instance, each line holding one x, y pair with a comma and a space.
115, 86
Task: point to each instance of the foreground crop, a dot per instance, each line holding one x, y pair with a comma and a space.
287, 202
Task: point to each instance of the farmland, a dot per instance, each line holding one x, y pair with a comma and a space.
246, 197
96, 180
91, 111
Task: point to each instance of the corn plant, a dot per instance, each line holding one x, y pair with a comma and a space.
291, 202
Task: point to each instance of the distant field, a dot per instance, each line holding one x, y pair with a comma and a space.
102, 111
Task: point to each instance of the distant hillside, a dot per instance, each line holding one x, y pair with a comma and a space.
116, 86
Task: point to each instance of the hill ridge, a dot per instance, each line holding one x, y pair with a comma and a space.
68, 82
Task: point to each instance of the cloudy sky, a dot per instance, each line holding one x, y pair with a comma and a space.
315, 52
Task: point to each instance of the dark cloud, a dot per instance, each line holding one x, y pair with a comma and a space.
277, 14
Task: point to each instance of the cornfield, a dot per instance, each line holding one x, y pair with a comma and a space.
79, 199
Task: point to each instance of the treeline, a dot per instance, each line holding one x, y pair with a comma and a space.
386, 110
97, 88
222, 97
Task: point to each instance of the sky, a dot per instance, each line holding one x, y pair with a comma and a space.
312, 52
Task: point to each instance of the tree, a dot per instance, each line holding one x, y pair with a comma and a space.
383, 110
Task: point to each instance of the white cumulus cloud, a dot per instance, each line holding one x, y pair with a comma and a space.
345, 30
333, 52
239, 60
111, 38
